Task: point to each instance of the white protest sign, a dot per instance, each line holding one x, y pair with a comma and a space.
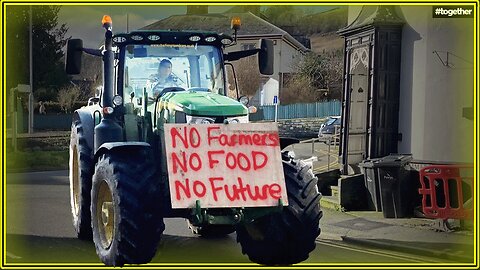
234, 165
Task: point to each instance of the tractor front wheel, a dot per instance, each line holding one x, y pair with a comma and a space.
126, 219
80, 175
289, 236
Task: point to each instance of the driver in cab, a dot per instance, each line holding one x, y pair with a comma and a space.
163, 78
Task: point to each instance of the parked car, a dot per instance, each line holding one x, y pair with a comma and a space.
328, 128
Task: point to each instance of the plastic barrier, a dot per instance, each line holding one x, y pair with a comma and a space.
447, 191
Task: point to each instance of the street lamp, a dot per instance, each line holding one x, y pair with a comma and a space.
30, 95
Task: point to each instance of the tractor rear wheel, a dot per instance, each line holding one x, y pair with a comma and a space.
286, 237
126, 217
80, 175
211, 230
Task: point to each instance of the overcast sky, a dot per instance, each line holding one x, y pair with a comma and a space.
84, 21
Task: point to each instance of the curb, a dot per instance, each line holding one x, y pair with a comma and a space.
327, 202
329, 236
406, 248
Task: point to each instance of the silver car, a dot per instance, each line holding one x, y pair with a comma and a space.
330, 129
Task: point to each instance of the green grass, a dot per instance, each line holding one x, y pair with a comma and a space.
37, 161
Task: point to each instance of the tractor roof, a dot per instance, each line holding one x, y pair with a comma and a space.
172, 37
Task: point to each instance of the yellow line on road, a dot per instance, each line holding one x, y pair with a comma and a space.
410, 258
12, 256
332, 164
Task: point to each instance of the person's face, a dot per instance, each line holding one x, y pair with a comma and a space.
164, 70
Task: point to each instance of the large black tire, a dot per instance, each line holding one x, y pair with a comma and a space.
211, 230
289, 236
80, 175
126, 187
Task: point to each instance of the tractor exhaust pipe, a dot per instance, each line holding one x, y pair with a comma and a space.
108, 130
108, 58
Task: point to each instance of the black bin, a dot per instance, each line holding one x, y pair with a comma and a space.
370, 173
397, 190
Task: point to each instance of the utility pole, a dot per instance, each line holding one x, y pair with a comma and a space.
30, 95
13, 94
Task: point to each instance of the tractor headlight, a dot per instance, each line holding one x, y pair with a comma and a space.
210, 39
226, 41
200, 120
244, 100
136, 37
194, 38
238, 119
153, 37
117, 100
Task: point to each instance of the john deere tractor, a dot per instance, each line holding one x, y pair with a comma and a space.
141, 152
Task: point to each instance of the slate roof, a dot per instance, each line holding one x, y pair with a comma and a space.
252, 25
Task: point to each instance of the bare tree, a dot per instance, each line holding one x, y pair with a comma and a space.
299, 89
248, 77
318, 77
67, 97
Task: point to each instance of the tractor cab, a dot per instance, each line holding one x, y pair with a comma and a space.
152, 61
166, 77
190, 78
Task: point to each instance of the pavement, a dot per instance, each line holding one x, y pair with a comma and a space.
416, 236
419, 236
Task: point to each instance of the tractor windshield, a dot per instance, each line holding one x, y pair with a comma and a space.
161, 68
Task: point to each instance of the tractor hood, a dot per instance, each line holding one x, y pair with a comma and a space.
199, 103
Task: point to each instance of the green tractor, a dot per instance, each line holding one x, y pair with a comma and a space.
141, 151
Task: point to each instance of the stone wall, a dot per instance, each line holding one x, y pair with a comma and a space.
300, 128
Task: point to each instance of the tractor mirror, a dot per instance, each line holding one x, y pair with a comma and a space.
73, 63
265, 57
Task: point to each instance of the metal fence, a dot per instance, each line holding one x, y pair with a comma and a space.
41, 122
265, 112
301, 110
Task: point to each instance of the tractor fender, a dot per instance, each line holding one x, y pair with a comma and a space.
109, 147
284, 142
85, 116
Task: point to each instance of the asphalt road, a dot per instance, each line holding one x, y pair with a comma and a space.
39, 230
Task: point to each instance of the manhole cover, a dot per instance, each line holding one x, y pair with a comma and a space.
361, 224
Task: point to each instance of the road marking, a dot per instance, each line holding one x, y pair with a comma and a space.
408, 257
333, 158
333, 162
13, 256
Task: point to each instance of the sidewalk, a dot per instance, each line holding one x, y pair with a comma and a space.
416, 236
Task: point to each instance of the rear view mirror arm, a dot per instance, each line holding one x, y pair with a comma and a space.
233, 56
94, 52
